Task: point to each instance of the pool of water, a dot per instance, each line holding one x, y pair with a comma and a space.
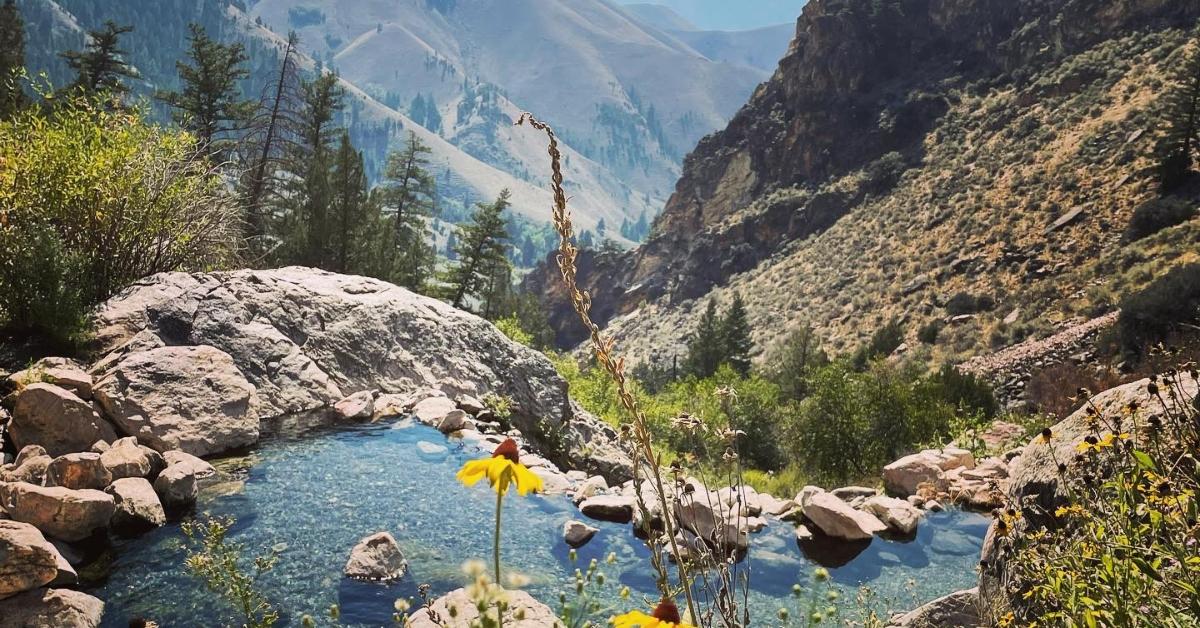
312, 498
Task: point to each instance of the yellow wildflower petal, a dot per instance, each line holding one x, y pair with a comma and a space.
636, 619
527, 481
473, 471
500, 473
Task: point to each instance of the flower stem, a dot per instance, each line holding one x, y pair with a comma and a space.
496, 557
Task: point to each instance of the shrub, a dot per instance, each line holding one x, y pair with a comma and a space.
93, 199
966, 392
1149, 316
883, 342
928, 333
1156, 215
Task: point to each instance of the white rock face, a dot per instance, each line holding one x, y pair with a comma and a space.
377, 557
301, 336
57, 419
523, 612
838, 519
189, 398
578, 533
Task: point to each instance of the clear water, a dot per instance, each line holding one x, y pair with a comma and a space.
313, 498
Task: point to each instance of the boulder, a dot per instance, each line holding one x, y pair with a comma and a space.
590, 487
805, 494
454, 421
55, 418
126, 459
70, 515
721, 526
837, 519
62, 372
52, 608
905, 475
471, 404
774, 506
176, 487
898, 514
189, 463
76, 471
614, 508
357, 407
432, 410
457, 610
745, 497
137, 506
553, 481
189, 398
27, 559
30, 466
301, 336
957, 610
578, 533
377, 557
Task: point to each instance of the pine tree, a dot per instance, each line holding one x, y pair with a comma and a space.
306, 231
101, 66
482, 245
210, 104
1181, 133
409, 194
271, 132
12, 59
704, 348
735, 342
349, 210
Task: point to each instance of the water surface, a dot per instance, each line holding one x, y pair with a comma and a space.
312, 498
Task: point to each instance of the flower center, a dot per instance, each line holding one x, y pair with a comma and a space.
507, 449
666, 611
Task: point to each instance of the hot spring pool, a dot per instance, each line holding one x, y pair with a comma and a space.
313, 498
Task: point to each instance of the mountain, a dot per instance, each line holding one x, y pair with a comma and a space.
967, 168
628, 100
759, 48
723, 15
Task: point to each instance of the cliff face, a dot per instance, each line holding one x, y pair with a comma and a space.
862, 89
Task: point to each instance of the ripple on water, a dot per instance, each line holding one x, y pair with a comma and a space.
314, 498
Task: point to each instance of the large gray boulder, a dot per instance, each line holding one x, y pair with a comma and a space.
189, 398
176, 486
838, 519
58, 512
377, 557
27, 560
302, 336
51, 608
55, 418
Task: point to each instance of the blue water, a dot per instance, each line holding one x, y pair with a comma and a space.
313, 498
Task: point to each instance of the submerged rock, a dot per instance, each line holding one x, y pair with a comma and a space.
52, 608
578, 533
377, 557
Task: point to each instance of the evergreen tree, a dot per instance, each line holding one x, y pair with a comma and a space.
210, 104
736, 345
800, 356
704, 348
529, 257
101, 66
307, 228
12, 59
271, 132
349, 210
409, 194
586, 240
1181, 133
481, 251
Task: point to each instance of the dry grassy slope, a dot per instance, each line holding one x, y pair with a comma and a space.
563, 59
1000, 167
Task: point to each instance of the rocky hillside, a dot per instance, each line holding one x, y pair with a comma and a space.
907, 152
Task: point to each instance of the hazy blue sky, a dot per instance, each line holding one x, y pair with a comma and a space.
732, 14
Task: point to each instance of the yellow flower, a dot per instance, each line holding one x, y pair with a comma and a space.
666, 615
501, 470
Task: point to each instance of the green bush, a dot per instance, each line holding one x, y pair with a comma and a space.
966, 392
1156, 215
92, 199
1152, 314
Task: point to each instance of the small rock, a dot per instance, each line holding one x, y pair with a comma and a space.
176, 487
553, 482
457, 610
898, 514
76, 471
470, 405
138, 507
100, 447
577, 533
756, 524
614, 508
590, 487
126, 459
377, 557
432, 410
357, 407
803, 534
850, 493
454, 421
190, 463
934, 505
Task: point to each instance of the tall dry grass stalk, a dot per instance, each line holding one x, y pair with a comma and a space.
615, 366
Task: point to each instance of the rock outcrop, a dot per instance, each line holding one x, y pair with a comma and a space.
305, 339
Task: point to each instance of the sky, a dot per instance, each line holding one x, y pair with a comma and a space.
732, 14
